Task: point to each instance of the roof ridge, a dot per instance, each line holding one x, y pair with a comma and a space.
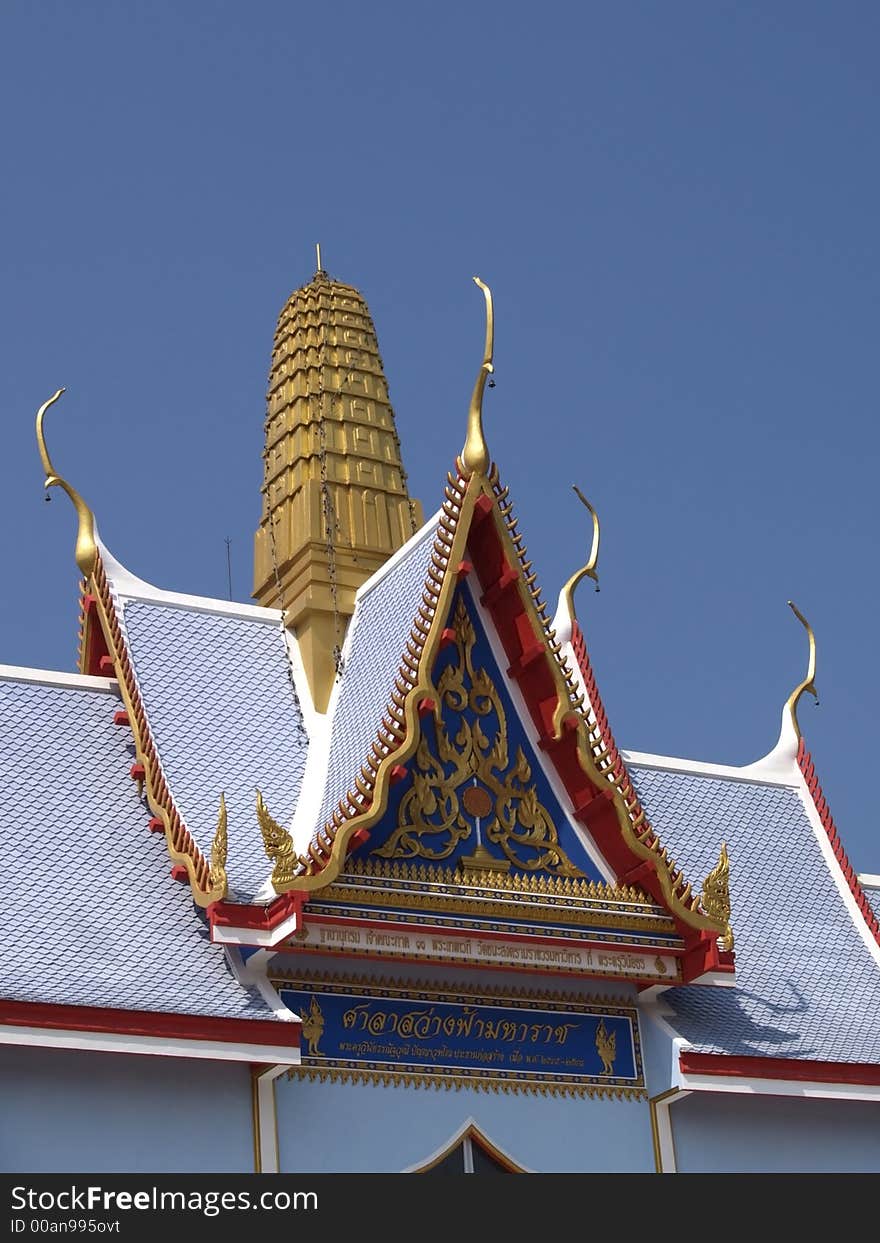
180, 843
58, 678
808, 769
603, 755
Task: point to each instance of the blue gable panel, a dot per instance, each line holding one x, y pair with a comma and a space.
476, 781
90, 915
224, 718
807, 984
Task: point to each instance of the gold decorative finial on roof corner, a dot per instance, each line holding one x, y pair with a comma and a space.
808, 684
278, 845
219, 848
475, 455
86, 550
715, 898
589, 570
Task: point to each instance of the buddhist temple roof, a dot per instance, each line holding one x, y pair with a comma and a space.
808, 960
215, 682
217, 700
91, 913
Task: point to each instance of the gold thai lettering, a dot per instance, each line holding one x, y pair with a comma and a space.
428, 1024
347, 936
620, 963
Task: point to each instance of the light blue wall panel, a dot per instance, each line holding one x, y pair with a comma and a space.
367, 1128
65, 1111
656, 1054
775, 1134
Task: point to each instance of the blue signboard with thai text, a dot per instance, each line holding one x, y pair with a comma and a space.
549, 1042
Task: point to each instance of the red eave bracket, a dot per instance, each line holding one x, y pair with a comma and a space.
259, 918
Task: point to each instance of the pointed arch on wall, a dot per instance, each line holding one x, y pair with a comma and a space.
466, 1138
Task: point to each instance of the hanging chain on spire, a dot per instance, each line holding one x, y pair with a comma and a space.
404, 478
328, 509
300, 722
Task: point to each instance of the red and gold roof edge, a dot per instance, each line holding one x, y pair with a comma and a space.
805, 764
595, 755
98, 604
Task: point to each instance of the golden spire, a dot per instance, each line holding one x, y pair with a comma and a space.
86, 551
335, 498
475, 455
808, 684
589, 570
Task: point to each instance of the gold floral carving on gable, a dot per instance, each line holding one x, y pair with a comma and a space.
431, 821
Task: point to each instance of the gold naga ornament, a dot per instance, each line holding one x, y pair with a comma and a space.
475, 454
715, 897
219, 849
808, 686
86, 550
278, 845
483, 779
589, 570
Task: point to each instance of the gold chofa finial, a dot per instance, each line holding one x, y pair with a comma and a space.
86, 551
589, 570
278, 845
219, 847
715, 897
808, 684
475, 455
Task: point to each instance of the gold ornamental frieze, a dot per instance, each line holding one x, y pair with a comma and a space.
473, 772
570, 902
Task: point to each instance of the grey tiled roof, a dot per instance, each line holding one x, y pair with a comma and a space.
89, 914
224, 717
377, 638
807, 985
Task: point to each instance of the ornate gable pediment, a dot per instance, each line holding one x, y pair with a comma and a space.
474, 795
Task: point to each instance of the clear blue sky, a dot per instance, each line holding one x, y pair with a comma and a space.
676, 205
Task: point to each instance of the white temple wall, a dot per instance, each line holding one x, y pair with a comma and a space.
70, 1111
719, 1131
371, 1128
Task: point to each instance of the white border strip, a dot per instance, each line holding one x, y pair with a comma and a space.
129, 587
158, 1046
780, 1087
49, 677
394, 560
751, 773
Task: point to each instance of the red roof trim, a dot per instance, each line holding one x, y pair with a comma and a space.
149, 1023
521, 641
805, 763
788, 1069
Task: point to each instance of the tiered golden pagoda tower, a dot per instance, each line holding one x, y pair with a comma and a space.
335, 498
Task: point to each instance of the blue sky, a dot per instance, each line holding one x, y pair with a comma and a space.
676, 206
